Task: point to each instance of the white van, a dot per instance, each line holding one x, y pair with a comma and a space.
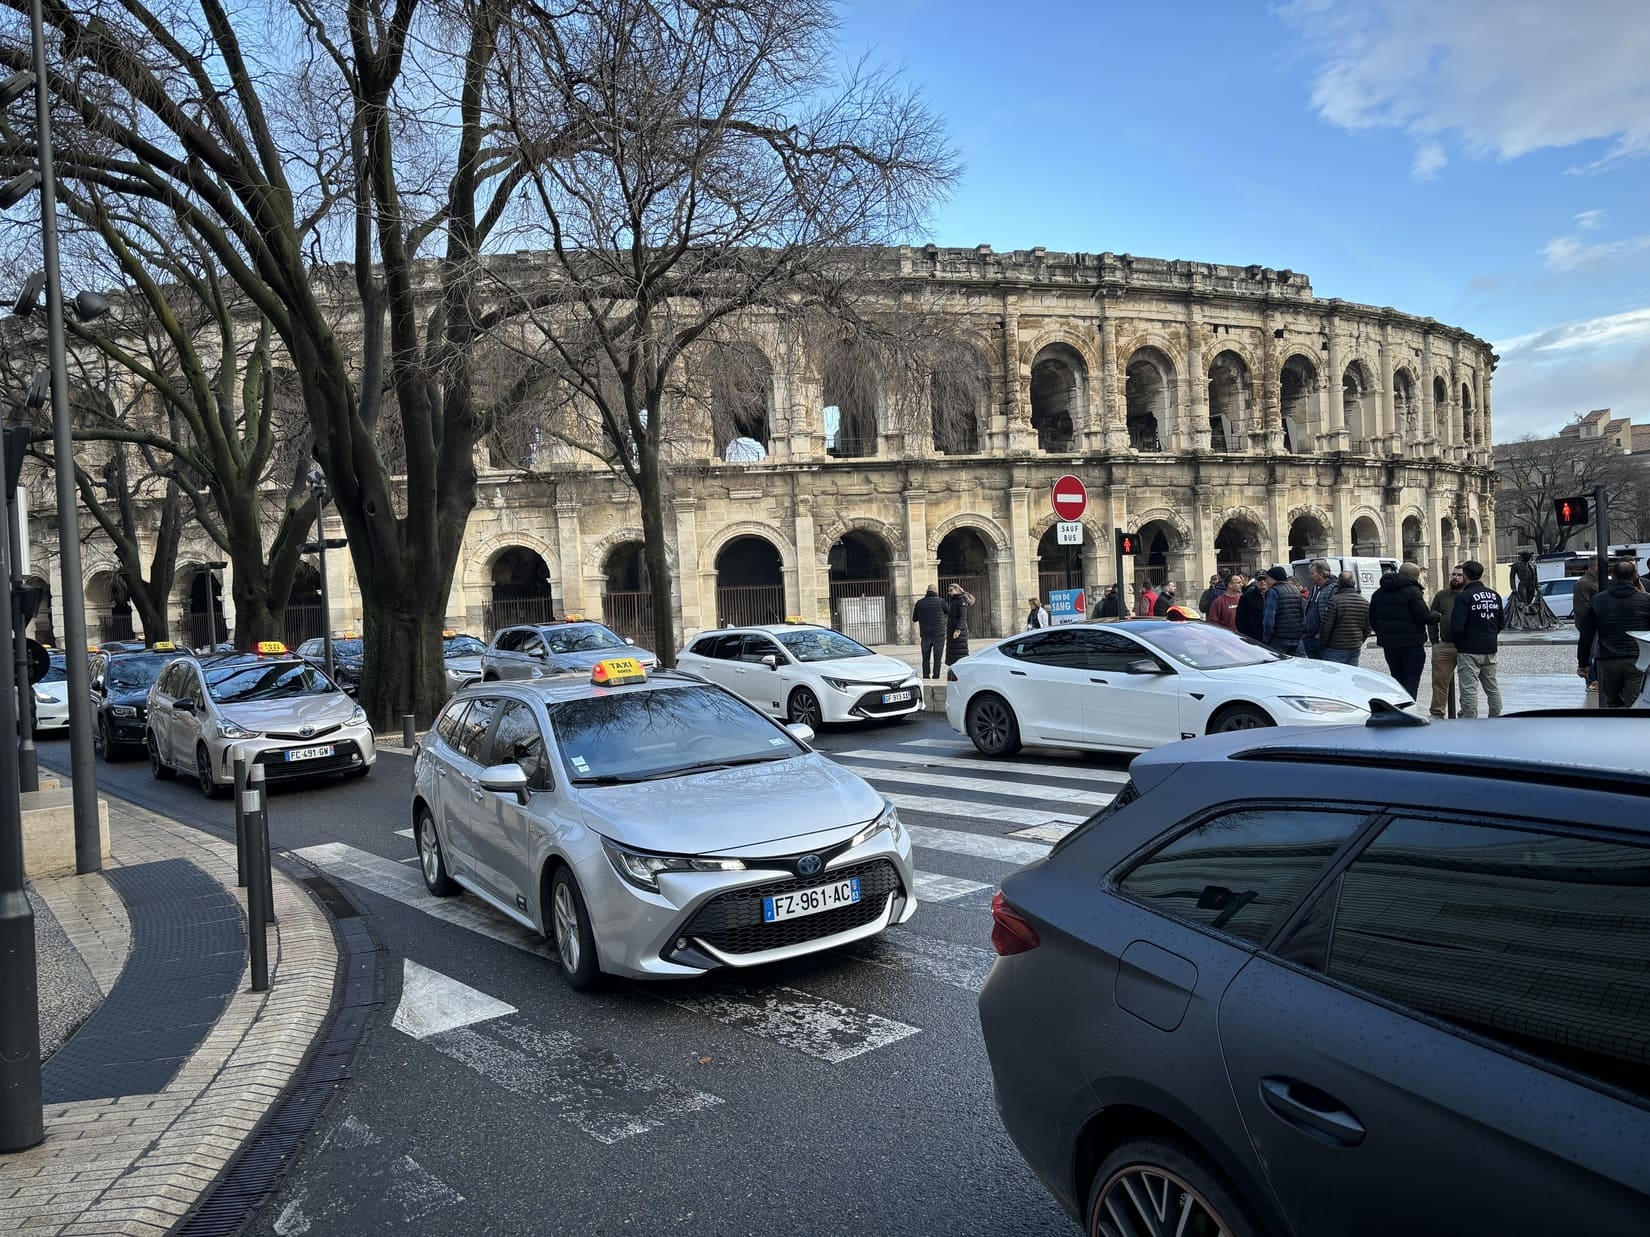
1367, 570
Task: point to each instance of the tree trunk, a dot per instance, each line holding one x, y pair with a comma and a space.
151, 617
405, 671
650, 492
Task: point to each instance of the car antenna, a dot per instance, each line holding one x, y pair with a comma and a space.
1385, 713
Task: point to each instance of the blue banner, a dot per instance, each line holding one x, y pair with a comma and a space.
1066, 605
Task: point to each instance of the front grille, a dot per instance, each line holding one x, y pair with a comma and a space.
276, 765
732, 922
871, 702
318, 734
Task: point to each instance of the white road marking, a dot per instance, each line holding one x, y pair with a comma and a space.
556, 1072
959, 966
412, 1190
932, 887
1053, 758
432, 1003
979, 845
980, 764
919, 779
404, 833
418, 1192
810, 1024
1043, 833
394, 880
939, 805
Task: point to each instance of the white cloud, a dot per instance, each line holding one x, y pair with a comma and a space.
1501, 77
1590, 220
1547, 376
1569, 253
1429, 161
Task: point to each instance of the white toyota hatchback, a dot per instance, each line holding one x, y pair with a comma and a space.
1138, 684
805, 673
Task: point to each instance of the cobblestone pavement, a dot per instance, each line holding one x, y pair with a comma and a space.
68, 993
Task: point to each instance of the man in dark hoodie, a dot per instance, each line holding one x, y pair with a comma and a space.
929, 616
1251, 609
1475, 623
1614, 613
1399, 616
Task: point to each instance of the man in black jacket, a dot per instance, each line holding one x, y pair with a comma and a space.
1617, 610
1398, 616
1475, 624
1251, 609
929, 616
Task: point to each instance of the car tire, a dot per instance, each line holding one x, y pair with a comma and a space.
567, 924
432, 860
158, 768
1146, 1176
203, 774
803, 707
992, 726
1239, 717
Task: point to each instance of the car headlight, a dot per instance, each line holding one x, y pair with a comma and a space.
642, 869
42, 698
357, 717
122, 710
1319, 705
229, 730
889, 820
842, 685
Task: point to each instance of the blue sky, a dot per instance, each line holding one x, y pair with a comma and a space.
1484, 162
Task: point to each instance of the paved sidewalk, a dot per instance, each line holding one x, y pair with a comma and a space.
162, 933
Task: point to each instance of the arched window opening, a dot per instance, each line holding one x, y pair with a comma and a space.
305, 618
862, 587
1149, 399
1238, 546
1366, 538
1406, 409
741, 387
853, 395
1059, 397
1300, 405
965, 559
1358, 405
627, 595
1230, 401
1308, 538
750, 583
521, 591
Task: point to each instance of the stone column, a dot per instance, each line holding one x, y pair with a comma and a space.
1266, 429
1277, 519
1341, 499
1335, 435
1022, 551
1200, 563
921, 570
574, 597
810, 602
1011, 429
1389, 407
1429, 410
1111, 388
696, 614
1192, 428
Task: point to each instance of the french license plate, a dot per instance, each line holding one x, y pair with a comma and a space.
810, 901
895, 697
308, 753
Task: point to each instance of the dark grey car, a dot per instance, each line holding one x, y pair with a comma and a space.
1371, 981
548, 648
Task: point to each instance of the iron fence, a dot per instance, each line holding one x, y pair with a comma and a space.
516, 612
304, 623
116, 627
982, 620
863, 610
745, 605
630, 614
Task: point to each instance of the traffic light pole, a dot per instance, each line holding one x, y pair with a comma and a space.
1601, 530
1122, 588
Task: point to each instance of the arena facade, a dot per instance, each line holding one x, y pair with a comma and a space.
1224, 413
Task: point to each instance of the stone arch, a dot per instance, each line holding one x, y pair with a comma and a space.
1300, 402
1368, 534
1310, 532
1059, 395
1231, 401
519, 587
842, 525
993, 531
741, 383
478, 565
860, 574
597, 553
1412, 537
1471, 434
1440, 405
750, 579
716, 542
968, 553
1165, 554
109, 608
1150, 398
959, 399
1241, 540
1359, 404
1406, 407
851, 380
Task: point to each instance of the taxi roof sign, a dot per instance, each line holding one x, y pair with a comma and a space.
162, 646
615, 671
270, 647
447, 633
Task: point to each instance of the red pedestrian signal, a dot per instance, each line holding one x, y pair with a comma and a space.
1571, 512
1128, 544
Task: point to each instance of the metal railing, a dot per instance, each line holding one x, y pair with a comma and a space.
863, 610
517, 611
304, 623
982, 620
630, 614
746, 605
116, 627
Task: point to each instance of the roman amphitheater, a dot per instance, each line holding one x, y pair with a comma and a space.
1224, 413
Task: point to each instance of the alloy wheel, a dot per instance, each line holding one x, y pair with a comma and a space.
429, 852
1243, 719
203, 771
1146, 1201
805, 709
991, 724
567, 926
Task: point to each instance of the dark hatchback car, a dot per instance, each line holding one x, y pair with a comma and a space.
1376, 980
120, 683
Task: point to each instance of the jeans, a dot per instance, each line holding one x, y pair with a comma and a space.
1470, 670
1346, 657
932, 648
1405, 665
1443, 678
1619, 682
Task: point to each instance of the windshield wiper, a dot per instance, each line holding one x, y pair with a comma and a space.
764, 759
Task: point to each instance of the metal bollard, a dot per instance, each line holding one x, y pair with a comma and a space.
240, 818
409, 730
257, 893
261, 869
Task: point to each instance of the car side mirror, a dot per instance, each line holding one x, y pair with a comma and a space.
770, 661
800, 730
184, 706
97, 684
630, 642
510, 779
1143, 665
541, 654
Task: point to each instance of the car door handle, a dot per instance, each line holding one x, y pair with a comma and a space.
1019, 673
1312, 1110
476, 793
1092, 680
440, 772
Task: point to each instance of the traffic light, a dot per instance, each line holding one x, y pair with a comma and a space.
1128, 544
1571, 512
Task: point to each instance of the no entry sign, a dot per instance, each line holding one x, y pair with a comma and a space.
1070, 498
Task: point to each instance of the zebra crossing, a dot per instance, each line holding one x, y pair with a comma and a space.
979, 818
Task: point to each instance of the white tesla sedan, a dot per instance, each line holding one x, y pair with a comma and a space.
1138, 684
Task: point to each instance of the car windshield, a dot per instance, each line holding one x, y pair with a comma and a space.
639, 736
274, 680
58, 672
821, 645
464, 646
1204, 646
350, 649
135, 673
581, 638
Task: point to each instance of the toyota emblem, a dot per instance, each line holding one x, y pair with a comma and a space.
809, 865
305, 731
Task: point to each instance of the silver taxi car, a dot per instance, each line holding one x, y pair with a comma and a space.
653, 825
571, 643
276, 707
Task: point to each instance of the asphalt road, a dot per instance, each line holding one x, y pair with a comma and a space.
843, 1094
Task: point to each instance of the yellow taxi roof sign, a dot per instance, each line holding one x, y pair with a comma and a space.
614, 671
572, 618
795, 618
162, 646
447, 633
270, 647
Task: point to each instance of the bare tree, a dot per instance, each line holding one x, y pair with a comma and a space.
693, 166
1534, 471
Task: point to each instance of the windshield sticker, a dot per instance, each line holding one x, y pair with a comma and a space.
776, 742
581, 765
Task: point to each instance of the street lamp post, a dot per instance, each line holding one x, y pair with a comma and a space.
211, 618
318, 488
28, 760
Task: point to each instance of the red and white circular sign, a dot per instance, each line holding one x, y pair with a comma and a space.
1070, 498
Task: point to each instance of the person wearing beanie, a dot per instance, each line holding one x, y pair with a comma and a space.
1400, 617
1283, 622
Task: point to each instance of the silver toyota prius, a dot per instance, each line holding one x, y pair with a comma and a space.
653, 825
